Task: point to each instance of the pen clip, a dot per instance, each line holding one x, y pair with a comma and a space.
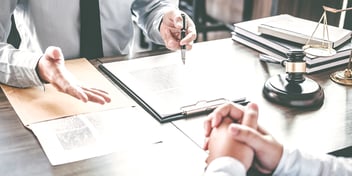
183, 35
183, 21
206, 106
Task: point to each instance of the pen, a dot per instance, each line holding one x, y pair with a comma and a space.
204, 107
183, 35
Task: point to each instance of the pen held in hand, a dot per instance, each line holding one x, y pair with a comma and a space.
183, 35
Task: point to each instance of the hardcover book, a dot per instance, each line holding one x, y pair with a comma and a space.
301, 30
247, 33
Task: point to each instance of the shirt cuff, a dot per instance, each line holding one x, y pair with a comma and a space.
282, 162
155, 33
24, 72
225, 166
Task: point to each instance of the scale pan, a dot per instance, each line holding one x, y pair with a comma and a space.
319, 51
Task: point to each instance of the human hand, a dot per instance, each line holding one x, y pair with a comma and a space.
220, 144
214, 119
230, 112
170, 30
51, 68
267, 150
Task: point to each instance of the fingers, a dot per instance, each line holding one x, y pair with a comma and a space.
96, 95
250, 117
261, 130
76, 92
267, 150
191, 34
231, 110
256, 139
170, 41
170, 30
214, 119
206, 143
86, 94
221, 144
52, 69
243, 115
247, 135
188, 41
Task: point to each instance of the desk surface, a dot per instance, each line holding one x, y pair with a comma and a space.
324, 130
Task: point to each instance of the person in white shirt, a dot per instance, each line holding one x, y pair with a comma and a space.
50, 33
236, 142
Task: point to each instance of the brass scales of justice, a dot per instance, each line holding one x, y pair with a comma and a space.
343, 77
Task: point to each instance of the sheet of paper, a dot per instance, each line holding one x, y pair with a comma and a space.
35, 105
84, 136
138, 142
167, 85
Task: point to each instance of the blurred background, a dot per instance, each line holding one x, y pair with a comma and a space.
214, 19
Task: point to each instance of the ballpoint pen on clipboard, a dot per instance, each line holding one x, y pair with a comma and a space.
206, 106
183, 35
203, 106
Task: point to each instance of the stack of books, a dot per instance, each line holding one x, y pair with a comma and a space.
276, 35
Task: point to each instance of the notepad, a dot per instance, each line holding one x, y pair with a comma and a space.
170, 90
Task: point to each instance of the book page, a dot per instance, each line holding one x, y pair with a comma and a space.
84, 136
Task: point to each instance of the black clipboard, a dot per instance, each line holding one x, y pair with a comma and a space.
169, 90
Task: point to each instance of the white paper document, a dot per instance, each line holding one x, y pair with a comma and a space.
89, 135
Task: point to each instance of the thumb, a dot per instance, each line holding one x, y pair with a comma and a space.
178, 21
173, 19
54, 53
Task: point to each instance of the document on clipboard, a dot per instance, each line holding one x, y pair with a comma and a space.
170, 90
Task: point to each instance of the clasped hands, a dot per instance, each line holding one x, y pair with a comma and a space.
232, 130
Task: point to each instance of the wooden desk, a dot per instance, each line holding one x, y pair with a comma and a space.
169, 151
325, 130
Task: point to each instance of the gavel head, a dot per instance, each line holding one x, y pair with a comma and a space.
295, 66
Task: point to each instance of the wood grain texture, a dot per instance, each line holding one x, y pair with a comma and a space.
327, 129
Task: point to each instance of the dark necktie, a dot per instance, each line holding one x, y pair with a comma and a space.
90, 38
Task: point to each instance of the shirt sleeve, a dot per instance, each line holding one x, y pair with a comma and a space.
296, 162
149, 14
225, 166
17, 67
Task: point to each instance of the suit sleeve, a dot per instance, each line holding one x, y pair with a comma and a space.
149, 14
17, 67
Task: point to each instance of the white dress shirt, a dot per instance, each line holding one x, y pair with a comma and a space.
292, 163
43, 23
